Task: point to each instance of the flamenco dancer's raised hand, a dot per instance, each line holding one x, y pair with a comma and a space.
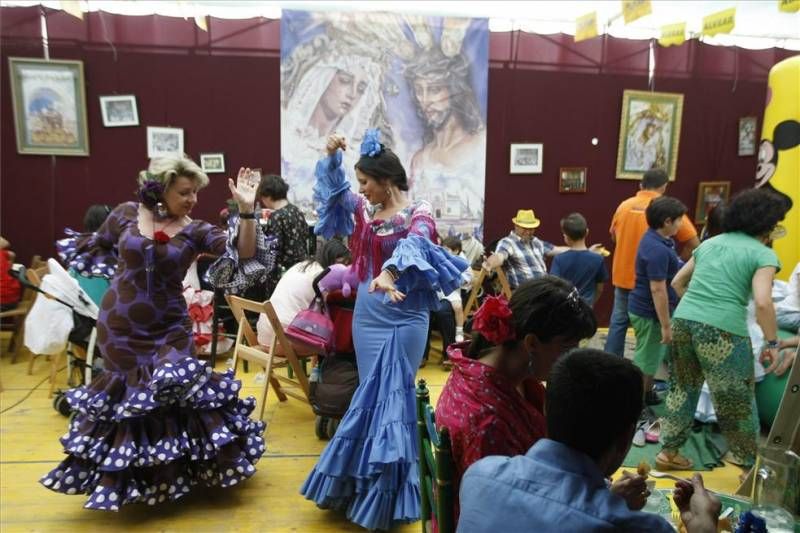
335, 141
243, 191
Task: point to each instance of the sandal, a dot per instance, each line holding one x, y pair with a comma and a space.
653, 433
672, 461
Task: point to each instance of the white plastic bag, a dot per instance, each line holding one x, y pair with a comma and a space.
47, 325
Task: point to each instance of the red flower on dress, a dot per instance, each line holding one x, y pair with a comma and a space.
160, 237
493, 320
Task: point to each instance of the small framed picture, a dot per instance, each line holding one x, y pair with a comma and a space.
164, 142
748, 127
526, 158
572, 179
119, 110
213, 163
709, 195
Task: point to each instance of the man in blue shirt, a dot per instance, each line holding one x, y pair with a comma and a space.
653, 299
593, 403
580, 266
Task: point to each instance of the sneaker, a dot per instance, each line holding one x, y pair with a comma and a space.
639, 438
651, 398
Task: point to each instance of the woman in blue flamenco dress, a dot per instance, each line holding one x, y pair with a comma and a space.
158, 421
369, 468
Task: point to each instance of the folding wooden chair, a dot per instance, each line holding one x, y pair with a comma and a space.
283, 353
435, 467
472, 301
19, 313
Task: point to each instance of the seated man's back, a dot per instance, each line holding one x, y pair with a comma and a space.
551, 488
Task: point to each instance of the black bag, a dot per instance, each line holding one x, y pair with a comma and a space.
331, 395
81, 329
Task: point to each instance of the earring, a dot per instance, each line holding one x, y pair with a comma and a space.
161, 210
388, 192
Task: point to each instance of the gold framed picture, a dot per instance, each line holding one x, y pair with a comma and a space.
649, 133
709, 195
49, 101
572, 179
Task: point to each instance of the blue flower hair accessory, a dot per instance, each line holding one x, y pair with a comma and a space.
371, 145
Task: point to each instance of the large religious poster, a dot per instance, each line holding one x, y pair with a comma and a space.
421, 80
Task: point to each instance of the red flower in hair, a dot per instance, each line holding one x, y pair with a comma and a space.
493, 320
161, 237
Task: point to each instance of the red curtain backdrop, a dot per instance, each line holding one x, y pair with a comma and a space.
223, 89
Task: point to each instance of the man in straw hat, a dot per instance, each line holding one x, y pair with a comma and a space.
521, 254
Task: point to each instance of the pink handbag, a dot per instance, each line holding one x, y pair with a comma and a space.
312, 327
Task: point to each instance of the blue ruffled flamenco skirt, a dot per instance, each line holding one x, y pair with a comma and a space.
369, 469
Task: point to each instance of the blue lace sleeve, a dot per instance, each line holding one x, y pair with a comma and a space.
425, 268
334, 200
235, 276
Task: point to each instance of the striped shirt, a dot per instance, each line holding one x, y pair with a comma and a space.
523, 260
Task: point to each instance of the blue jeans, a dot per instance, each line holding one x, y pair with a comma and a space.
618, 325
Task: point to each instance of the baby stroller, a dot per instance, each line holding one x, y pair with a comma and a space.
335, 379
62, 317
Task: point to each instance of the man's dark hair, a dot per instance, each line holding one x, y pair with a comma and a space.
592, 398
384, 166
756, 212
454, 73
94, 217
454, 243
548, 307
273, 186
654, 179
574, 226
663, 208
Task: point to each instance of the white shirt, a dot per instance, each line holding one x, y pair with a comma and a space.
293, 293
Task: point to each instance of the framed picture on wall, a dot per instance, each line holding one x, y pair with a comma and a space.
649, 133
572, 179
119, 110
526, 158
748, 127
49, 101
212, 163
709, 195
164, 142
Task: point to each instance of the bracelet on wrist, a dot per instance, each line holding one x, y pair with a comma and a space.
772, 344
248, 216
393, 272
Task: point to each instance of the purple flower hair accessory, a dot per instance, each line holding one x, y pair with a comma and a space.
150, 191
371, 145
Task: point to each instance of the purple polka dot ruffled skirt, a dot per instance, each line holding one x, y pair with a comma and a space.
152, 433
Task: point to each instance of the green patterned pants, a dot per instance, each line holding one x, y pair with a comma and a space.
701, 352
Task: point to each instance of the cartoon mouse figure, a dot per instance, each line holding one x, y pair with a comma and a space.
785, 136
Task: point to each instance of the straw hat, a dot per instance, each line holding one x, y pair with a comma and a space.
526, 219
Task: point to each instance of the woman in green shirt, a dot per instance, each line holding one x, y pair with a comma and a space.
710, 341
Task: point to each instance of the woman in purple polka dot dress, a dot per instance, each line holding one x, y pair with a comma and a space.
158, 421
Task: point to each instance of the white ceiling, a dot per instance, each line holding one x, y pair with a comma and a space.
759, 24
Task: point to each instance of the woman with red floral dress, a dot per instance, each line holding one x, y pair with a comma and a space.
493, 401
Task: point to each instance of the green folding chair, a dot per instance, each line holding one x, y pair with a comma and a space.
435, 467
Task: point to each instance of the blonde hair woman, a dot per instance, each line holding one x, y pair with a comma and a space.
157, 421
